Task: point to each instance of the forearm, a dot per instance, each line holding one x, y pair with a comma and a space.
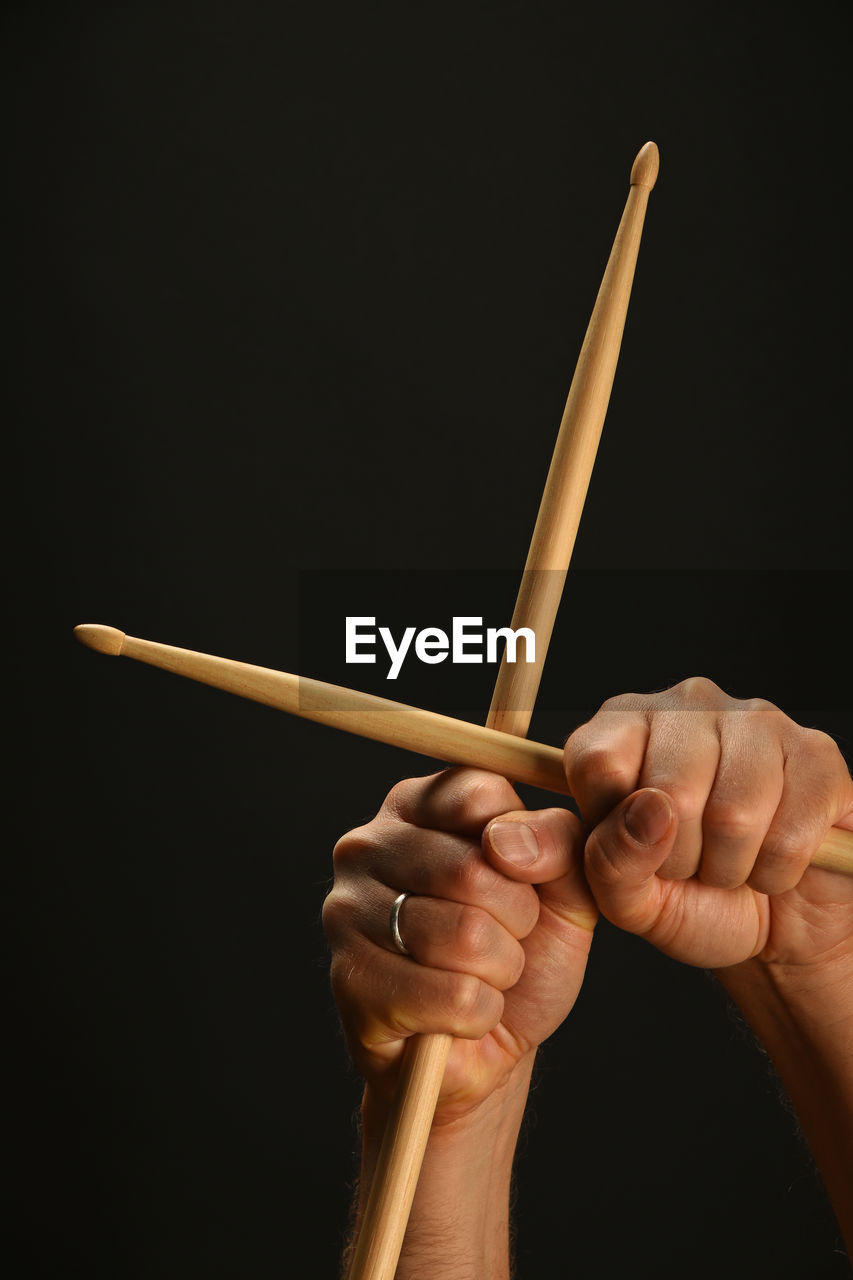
803, 1017
459, 1226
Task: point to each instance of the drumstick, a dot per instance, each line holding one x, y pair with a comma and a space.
574, 456
363, 714
383, 1225
366, 716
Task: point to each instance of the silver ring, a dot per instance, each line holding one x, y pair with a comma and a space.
395, 924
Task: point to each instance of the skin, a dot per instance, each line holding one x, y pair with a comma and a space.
701, 814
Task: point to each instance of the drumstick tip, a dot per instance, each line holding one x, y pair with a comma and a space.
644, 171
101, 639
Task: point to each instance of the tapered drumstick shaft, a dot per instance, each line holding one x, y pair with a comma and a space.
398, 1165
574, 455
385, 1217
413, 729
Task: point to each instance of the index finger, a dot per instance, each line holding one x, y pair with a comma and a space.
459, 801
603, 759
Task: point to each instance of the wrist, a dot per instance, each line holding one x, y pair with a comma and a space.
465, 1179
798, 991
455, 1129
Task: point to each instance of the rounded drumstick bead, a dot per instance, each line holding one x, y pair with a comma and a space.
102, 639
644, 171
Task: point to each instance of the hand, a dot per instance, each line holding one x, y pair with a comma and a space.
494, 960
712, 864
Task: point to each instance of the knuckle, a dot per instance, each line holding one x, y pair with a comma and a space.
790, 847
729, 820
345, 979
469, 874
512, 967
776, 875
329, 913
339, 970
466, 999
621, 702
823, 749
404, 794
689, 801
472, 933
353, 845
765, 718
515, 966
761, 709
396, 798
336, 913
720, 876
699, 691
689, 798
596, 764
479, 796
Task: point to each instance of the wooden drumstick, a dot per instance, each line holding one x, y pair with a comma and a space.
574, 456
366, 716
363, 714
383, 1225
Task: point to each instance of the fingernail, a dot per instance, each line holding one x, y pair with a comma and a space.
515, 842
648, 817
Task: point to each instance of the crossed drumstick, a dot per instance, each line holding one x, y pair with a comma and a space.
501, 746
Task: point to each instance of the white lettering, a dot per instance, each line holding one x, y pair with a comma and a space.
396, 655
431, 645
461, 638
354, 640
511, 637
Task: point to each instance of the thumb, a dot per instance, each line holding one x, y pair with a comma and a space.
624, 852
548, 853
544, 848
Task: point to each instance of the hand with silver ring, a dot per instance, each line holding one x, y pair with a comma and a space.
457, 911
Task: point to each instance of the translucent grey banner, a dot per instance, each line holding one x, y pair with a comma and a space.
777, 635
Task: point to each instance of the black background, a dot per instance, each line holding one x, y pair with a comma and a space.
302, 288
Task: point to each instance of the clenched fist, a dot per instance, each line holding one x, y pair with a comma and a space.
498, 927
704, 812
